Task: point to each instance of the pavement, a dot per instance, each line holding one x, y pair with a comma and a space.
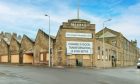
14, 74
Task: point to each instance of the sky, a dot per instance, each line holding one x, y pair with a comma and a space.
27, 16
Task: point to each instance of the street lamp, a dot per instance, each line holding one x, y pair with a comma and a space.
104, 42
78, 8
49, 42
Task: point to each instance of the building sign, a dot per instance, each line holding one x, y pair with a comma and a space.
74, 47
79, 35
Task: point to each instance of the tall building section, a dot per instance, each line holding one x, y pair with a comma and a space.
74, 44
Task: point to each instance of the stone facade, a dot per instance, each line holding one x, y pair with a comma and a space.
41, 48
104, 59
14, 50
75, 26
76, 44
124, 52
26, 50
4, 51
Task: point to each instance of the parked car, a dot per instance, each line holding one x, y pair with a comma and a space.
138, 63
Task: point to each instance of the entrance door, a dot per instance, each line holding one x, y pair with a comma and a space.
113, 61
79, 60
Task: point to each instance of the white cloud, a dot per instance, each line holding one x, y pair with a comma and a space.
31, 19
19, 19
128, 23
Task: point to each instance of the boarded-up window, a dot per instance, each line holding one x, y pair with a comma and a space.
41, 57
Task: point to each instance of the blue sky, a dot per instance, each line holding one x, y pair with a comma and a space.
27, 16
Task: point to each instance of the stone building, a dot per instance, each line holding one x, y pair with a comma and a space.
74, 44
138, 55
41, 48
4, 51
104, 59
123, 52
8, 47
14, 48
26, 50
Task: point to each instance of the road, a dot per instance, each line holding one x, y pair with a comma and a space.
13, 74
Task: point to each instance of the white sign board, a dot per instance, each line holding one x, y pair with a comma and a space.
79, 35
74, 47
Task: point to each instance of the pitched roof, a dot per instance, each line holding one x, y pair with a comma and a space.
3, 40
25, 36
45, 34
6, 41
107, 32
15, 40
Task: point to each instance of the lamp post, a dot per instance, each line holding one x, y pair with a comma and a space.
104, 42
78, 8
49, 42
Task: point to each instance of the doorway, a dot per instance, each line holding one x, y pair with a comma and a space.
79, 60
113, 61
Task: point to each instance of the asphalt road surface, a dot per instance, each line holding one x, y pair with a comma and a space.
12, 74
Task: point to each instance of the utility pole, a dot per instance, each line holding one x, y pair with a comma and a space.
49, 43
78, 8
